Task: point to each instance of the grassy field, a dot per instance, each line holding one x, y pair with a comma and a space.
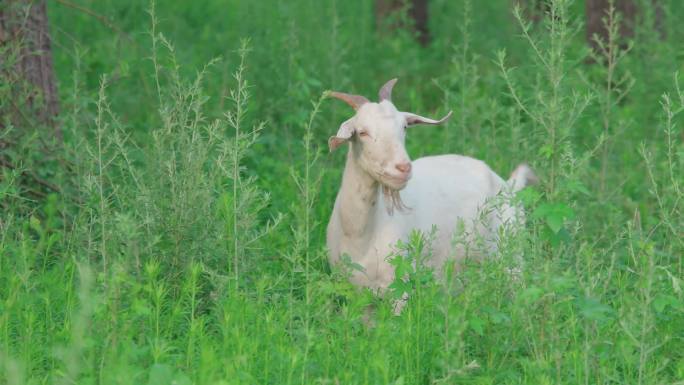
186, 242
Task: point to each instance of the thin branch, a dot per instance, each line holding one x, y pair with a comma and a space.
101, 18
31, 174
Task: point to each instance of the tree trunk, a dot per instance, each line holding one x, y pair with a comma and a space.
417, 10
24, 31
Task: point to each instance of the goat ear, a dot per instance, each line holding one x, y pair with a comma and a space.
413, 119
343, 135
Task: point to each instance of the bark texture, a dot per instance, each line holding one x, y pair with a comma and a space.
24, 35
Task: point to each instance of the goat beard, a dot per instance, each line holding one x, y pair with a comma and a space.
393, 200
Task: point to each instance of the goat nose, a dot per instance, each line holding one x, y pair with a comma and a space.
404, 167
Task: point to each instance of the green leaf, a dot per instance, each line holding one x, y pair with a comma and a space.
34, 222
140, 308
555, 222
347, 262
399, 287
546, 151
160, 374
163, 374
592, 309
477, 324
531, 294
528, 196
662, 301
554, 215
577, 186
496, 316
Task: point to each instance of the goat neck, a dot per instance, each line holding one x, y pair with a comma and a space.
358, 198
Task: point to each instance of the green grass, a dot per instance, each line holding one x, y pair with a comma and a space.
186, 244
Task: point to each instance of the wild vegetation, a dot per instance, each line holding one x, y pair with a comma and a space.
176, 235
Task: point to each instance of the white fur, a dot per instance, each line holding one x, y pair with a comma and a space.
438, 191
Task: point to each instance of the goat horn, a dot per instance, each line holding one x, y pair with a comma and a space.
355, 101
386, 90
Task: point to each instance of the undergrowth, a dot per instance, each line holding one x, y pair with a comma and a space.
184, 242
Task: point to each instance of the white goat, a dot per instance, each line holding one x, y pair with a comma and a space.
384, 196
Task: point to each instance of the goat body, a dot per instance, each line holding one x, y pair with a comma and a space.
444, 190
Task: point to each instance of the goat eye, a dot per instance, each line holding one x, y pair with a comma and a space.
363, 133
